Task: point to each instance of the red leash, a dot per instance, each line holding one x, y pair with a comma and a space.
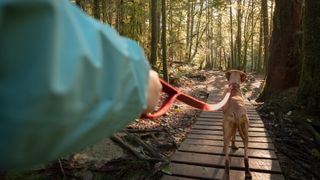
174, 94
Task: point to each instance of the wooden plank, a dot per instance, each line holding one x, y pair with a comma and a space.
200, 172
211, 132
204, 132
167, 177
262, 165
220, 138
252, 153
219, 128
208, 113
220, 120
251, 145
219, 123
251, 118
249, 111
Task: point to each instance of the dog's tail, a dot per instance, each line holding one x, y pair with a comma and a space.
240, 128
237, 122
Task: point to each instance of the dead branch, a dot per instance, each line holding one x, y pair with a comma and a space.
127, 146
61, 169
146, 146
145, 130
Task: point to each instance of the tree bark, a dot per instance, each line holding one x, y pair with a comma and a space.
231, 37
191, 30
209, 63
265, 20
188, 26
164, 40
271, 16
171, 34
239, 17
252, 37
199, 35
285, 48
246, 37
308, 93
104, 10
96, 9
154, 35
259, 64
220, 38
79, 3
110, 6
119, 15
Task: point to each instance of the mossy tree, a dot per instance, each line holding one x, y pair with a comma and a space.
285, 48
309, 93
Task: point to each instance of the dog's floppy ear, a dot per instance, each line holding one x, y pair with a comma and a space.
243, 77
228, 74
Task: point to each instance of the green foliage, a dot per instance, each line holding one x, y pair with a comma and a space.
198, 31
167, 169
244, 90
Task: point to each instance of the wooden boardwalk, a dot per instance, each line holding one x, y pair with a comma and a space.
201, 155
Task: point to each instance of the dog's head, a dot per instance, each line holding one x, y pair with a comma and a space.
235, 76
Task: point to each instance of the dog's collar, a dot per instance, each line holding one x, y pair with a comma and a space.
234, 86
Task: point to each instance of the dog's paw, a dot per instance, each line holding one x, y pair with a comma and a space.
226, 174
248, 175
234, 147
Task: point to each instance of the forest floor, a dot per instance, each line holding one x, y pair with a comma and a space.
295, 135
143, 149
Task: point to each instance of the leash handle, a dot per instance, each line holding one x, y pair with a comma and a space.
174, 94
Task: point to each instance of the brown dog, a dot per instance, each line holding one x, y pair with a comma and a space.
235, 117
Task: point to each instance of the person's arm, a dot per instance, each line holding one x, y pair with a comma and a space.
66, 81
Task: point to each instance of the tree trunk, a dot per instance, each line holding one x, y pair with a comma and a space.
193, 4
209, 63
220, 38
188, 26
239, 16
164, 40
171, 36
158, 21
79, 3
179, 51
96, 9
246, 37
285, 48
199, 35
231, 36
271, 16
308, 93
154, 35
104, 10
211, 30
110, 18
259, 64
265, 20
252, 37
119, 15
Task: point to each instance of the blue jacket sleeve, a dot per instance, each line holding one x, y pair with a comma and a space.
66, 81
